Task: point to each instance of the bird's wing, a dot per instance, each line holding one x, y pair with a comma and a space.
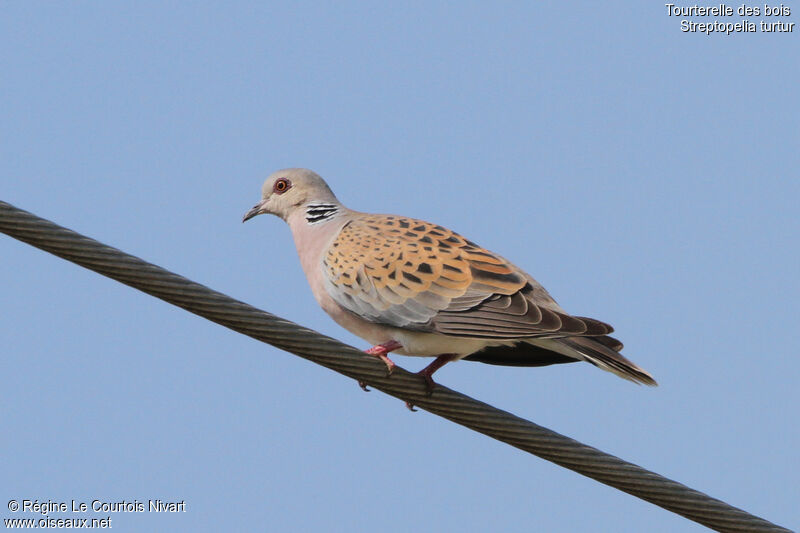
412, 274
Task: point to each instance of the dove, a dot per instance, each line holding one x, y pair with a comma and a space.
411, 287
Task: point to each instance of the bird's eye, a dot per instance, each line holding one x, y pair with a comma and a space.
281, 185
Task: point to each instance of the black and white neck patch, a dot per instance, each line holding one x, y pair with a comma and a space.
320, 212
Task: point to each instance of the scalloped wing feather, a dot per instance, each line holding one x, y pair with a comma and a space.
416, 275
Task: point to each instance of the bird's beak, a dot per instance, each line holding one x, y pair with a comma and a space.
257, 209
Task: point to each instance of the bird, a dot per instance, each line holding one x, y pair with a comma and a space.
412, 287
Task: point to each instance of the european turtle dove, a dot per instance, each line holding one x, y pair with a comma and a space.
416, 288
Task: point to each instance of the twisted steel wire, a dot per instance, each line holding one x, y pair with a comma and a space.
353, 363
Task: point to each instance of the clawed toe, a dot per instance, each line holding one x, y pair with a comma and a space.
389, 365
428, 371
429, 384
380, 352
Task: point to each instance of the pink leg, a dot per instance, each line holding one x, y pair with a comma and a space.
437, 363
428, 371
380, 352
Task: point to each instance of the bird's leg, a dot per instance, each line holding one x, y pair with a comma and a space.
428, 371
437, 363
380, 352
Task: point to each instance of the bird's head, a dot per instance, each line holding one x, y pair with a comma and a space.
288, 190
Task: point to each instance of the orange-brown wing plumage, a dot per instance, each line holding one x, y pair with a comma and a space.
412, 274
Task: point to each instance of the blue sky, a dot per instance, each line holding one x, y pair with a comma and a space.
647, 177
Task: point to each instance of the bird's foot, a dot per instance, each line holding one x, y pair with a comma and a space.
380, 352
428, 371
429, 383
427, 374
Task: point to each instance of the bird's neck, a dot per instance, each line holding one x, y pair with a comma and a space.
321, 212
312, 237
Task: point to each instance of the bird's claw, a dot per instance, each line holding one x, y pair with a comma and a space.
363, 386
380, 352
389, 365
429, 384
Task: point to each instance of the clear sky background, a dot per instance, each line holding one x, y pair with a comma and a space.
647, 177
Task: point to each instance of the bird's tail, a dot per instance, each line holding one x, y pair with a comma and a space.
603, 352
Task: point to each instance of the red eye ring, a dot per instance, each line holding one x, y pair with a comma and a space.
282, 185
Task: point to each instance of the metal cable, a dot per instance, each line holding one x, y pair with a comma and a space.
353, 363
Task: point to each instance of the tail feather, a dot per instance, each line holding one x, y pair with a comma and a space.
604, 356
609, 342
600, 351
